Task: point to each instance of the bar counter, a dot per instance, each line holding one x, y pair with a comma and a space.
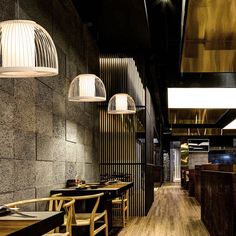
218, 202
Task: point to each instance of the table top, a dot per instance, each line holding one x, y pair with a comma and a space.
18, 225
111, 189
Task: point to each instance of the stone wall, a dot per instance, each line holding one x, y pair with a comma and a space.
44, 139
197, 158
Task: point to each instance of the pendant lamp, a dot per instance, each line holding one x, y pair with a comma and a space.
87, 88
26, 50
121, 103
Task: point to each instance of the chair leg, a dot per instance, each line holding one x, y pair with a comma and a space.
123, 214
91, 229
127, 212
106, 222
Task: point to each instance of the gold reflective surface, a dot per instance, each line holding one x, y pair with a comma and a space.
210, 36
201, 132
195, 116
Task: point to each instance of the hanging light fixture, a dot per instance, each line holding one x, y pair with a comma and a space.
26, 50
87, 88
121, 103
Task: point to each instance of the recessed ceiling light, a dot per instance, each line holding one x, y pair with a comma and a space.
231, 125
202, 98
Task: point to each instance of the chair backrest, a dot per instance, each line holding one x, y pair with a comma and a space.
96, 197
56, 203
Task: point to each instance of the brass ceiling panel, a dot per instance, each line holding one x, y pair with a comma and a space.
210, 36
195, 116
201, 132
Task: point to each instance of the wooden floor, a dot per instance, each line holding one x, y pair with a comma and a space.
173, 213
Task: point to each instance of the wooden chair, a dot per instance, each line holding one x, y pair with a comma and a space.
93, 217
120, 207
54, 204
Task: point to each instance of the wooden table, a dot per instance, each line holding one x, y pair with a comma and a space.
16, 225
110, 191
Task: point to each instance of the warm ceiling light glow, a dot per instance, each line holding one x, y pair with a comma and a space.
217, 98
231, 125
121, 103
87, 88
26, 50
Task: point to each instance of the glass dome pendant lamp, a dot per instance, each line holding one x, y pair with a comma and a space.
87, 88
26, 50
121, 103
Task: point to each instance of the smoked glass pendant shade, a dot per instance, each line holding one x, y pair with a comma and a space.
121, 103
87, 88
26, 50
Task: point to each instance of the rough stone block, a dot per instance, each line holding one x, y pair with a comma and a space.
59, 106
80, 134
42, 192
7, 104
25, 115
44, 122
71, 131
59, 81
88, 153
23, 195
71, 170
24, 145
43, 97
59, 152
59, 127
6, 198
74, 111
6, 144
80, 153
7, 175
88, 172
81, 170
70, 152
24, 174
44, 173
39, 11
7, 10
44, 147
71, 70
7, 84
24, 88
88, 137
59, 172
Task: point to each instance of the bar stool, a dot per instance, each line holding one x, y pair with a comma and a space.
121, 206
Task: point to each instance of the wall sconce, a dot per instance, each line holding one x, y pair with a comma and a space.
121, 103
26, 50
87, 88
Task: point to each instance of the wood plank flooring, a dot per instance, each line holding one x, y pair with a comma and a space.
173, 213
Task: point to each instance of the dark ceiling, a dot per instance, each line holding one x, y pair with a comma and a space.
150, 31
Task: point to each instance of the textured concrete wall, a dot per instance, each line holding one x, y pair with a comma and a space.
197, 158
44, 139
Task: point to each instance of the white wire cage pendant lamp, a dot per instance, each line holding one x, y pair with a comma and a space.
87, 88
121, 103
26, 50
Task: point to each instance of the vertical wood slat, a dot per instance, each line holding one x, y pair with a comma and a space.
119, 154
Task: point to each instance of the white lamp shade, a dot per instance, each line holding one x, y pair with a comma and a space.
87, 88
121, 103
26, 50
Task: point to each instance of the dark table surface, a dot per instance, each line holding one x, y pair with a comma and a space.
16, 225
110, 191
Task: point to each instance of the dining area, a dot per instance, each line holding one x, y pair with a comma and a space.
76, 153
88, 210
